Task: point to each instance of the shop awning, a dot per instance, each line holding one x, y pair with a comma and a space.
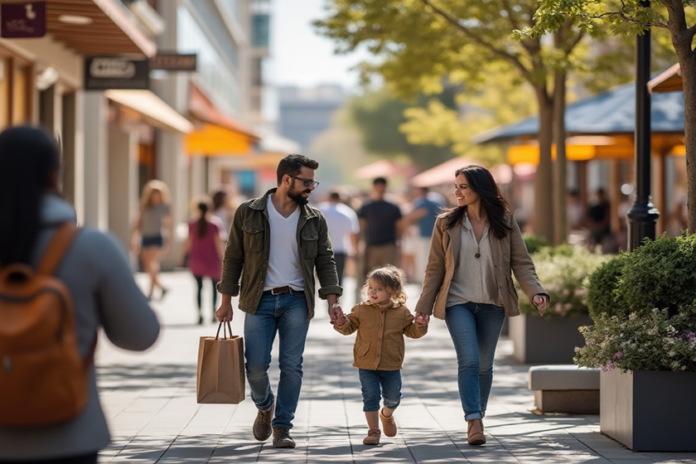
668, 81
214, 140
153, 108
585, 149
444, 173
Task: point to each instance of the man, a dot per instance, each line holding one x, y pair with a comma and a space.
424, 214
380, 220
344, 230
599, 218
275, 243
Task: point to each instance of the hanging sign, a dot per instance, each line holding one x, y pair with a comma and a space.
116, 72
23, 20
174, 62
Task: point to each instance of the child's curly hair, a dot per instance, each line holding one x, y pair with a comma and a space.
392, 279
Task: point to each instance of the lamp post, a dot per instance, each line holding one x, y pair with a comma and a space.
642, 217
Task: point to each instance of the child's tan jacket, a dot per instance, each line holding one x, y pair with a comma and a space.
380, 341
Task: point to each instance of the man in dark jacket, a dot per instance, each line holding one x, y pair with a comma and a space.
275, 244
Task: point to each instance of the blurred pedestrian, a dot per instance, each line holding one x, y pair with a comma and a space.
276, 244
576, 211
380, 223
222, 209
424, 214
97, 275
468, 283
153, 231
599, 219
205, 251
344, 230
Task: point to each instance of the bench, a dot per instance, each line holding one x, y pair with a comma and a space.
565, 389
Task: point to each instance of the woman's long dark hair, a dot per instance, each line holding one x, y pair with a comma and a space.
202, 221
493, 203
28, 158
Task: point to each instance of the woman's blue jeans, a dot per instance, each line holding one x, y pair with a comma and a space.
285, 314
475, 330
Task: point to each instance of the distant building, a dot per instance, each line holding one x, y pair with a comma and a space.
305, 113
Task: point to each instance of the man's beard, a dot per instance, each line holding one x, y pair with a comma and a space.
297, 197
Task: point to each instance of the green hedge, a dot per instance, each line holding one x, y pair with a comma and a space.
601, 287
535, 243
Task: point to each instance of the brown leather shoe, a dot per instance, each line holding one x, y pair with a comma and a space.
474, 435
372, 437
388, 424
262, 424
282, 438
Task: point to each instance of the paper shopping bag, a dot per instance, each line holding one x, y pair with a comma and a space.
221, 368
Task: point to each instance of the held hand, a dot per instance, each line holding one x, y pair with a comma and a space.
541, 302
225, 312
336, 313
341, 320
422, 319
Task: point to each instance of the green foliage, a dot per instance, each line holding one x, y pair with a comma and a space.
659, 274
650, 341
378, 116
534, 242
601, 287
563, 271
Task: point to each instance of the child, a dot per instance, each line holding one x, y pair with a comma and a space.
381, 322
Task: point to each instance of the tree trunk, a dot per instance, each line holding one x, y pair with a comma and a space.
560, 171
688, 69
543, 183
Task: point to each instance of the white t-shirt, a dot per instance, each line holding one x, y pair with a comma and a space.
284, 266
342, 222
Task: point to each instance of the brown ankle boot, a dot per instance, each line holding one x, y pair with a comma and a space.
475, 434
262, 425
372, 437
388, 424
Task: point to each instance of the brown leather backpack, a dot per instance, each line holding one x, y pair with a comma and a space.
43, 378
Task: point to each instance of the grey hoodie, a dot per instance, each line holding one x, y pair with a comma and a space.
104, 294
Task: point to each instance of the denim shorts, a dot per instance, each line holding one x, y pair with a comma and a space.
380, 384
152, 241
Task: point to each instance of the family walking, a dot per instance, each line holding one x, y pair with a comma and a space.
278, 242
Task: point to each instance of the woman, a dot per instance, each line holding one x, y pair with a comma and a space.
97, 274
468, 283
148, 236
205, 252
224, 212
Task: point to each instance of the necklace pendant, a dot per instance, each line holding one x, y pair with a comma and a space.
477, 255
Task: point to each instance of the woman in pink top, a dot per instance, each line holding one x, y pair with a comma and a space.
204, 249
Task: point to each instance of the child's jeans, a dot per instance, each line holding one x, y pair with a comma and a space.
390, 383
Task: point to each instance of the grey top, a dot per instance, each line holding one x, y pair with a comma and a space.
474, 278
100, 281
152, 220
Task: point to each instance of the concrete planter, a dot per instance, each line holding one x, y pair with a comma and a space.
649, 410
546, 341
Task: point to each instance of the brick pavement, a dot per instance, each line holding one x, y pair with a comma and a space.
149, 399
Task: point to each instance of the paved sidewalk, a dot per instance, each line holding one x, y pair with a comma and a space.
150, 401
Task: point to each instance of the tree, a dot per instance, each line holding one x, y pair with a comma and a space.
631, 17
421, 41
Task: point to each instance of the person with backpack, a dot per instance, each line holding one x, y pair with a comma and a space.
58, 286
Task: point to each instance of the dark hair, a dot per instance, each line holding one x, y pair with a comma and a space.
219, 198
292, 165
334, 195
380, 181
494, 205
202, 221
28, 158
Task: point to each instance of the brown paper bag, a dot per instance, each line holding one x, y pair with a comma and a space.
221, 368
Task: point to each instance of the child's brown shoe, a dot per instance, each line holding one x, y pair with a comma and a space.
388, 424
372, 437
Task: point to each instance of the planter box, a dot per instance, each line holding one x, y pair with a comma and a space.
546, 341
648, 410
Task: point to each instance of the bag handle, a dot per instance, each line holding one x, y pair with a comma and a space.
225, 326
59, 245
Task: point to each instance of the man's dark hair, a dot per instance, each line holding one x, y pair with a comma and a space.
380, 181
292, 165
335, 195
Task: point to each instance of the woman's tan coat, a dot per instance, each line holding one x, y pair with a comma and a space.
509, 255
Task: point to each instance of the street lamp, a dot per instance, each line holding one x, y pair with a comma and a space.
642, 217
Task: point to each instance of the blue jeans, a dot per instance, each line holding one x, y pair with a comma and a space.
287, 315
475, 329
390, 383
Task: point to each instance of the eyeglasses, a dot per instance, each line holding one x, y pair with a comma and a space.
307, 182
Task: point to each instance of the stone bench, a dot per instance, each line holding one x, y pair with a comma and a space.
565, 389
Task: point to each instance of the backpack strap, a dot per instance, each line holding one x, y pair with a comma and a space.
58, 246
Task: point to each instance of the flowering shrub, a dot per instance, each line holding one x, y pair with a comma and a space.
563, 271
651, 341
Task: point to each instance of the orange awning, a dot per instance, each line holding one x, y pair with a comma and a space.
583, 150
668, 81
214, 140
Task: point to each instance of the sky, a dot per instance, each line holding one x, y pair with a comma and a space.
300, 56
